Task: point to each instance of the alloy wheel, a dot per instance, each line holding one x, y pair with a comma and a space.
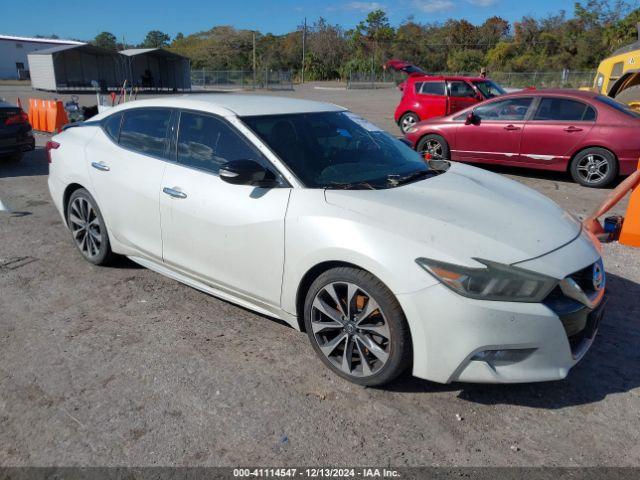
86, 227
350, 329
593, 168
408, 121
432, 147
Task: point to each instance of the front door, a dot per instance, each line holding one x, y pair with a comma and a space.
230, 237
552, 133
496, 134
461, 95
126, 162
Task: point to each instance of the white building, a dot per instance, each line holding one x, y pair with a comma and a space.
14, 51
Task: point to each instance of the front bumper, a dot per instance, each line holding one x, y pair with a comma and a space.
451, 332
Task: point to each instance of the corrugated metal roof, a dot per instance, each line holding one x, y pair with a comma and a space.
62, 48
131, 52
13, 38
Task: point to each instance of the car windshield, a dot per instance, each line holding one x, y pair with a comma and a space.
621, 107
489, 89
339, 150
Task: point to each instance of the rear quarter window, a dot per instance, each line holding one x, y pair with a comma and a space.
111, 126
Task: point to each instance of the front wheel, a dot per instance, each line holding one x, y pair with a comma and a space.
434, 145
356, 326
594, 167
88, 228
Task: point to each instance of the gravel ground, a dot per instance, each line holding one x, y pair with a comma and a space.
121, 366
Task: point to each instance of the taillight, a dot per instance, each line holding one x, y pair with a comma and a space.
20, 117
51, 145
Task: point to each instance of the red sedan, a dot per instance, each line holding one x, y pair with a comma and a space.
590, 135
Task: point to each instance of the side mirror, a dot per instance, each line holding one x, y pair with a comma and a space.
471, 119
247, 172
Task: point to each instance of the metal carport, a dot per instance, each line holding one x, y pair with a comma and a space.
74, 67
156, 69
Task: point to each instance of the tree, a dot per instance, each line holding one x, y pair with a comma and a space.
466, 61
106, 40
156, 39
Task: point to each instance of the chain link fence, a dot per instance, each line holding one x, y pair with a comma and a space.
230, 80
556, 79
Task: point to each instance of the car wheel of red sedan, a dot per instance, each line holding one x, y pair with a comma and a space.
594, 167
407, 121
435, 145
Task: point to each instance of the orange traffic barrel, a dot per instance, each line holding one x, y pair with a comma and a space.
630, 233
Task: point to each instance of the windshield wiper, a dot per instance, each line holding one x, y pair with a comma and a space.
400, 180
352, 186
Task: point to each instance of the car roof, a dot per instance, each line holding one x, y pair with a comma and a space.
232, 104
564, 92
4, 104
436, 78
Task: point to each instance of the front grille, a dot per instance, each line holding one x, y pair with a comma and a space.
580, 322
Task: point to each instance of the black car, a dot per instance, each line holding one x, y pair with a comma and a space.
16, 135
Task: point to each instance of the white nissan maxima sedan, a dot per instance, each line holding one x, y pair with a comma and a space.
306, 212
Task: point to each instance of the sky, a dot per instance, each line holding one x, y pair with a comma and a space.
84, 19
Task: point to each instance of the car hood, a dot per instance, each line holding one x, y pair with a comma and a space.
466, 213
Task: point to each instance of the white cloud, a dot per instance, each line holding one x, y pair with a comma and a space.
434, 6
483, 3
364, 6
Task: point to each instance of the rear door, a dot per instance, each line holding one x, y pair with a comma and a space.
552, 133
496, 135
126, 162
432, 97
461, 95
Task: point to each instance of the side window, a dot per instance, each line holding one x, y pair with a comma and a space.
145, 130
417, 86
513, 109
564, 110
433, 88
461, 89
111, 126
206, 142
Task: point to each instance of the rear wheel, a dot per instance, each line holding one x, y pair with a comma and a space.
594, 167
407, 121
357, 327
88, 228
435, 145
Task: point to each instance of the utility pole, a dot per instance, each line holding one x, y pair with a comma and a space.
254, 59
304, 38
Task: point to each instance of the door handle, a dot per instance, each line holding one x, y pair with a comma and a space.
174, 192
511, 127
572, 129
103, 167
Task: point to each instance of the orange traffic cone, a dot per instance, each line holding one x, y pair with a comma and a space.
630, 233
42, 115
61, 117
31, 113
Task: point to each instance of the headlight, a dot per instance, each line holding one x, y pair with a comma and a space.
493, 282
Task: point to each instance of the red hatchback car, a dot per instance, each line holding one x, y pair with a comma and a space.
590, 135
425, 96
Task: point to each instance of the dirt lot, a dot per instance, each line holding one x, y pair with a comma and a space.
120, 366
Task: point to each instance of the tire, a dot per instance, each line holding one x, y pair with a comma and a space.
434, 144
594, 167
628, 95
407, 121
379, 342
88, 229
